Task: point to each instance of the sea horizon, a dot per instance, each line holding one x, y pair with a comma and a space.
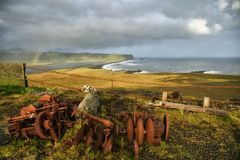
207, 65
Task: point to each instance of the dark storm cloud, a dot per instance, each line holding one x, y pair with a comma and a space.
94, 24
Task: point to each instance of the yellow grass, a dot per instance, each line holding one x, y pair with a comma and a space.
120, 79
189, 84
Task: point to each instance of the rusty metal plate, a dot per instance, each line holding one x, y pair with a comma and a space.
159, 128
150, 131
27, 110
89, 137
135, 149
45, 98
100, 140
47, 124
108, 146
80, 135
130, 130
140, 131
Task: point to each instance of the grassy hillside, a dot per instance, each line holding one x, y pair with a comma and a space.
36, 57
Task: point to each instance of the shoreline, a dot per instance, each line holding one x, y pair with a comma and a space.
71, 65
100, 65
138, 71
108, 66
139, 68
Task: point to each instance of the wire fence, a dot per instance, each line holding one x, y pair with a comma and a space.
129, 82
112, 82
56, 85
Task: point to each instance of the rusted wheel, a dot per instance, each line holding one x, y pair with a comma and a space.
39, 125
89, 137
57, 126
100, 138
108, 146
150, 131
166, 132
130, 130
140, 131
135, 149
80, 135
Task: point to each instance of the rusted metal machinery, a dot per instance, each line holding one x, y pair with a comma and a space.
140, 124
96, 131
47, 118
100, 132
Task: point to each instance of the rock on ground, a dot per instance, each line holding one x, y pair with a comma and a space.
89, 104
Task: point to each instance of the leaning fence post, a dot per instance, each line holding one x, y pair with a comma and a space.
24, 75
164, 96
206, 102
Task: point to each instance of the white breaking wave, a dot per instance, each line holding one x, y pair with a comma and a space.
129, 63
212, 72
205, 66
111, 67
142, 72
117, 66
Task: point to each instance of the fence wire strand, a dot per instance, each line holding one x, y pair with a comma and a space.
131, 82
112, 80
57, 85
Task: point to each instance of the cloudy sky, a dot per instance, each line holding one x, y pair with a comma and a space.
170, 28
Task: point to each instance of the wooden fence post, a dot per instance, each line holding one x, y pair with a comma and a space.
24, 76
206, 102
164, 96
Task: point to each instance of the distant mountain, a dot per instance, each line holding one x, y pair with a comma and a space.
37, 57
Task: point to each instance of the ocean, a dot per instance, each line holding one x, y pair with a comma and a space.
229, 66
